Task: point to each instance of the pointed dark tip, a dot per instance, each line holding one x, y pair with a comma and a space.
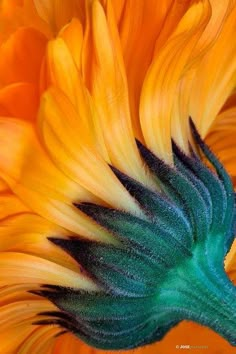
185, 158
36, 292
195, 132
115, 170
50, 286
47, 322
88, 208
60, 333
122, 177
176, 148
61, 242
142, 149
44, 293
56, 315
49, 313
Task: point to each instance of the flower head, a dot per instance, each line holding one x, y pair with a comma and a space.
116, 216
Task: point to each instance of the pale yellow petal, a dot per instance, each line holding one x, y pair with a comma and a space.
160, 85
33, 177
74, 156
24, 268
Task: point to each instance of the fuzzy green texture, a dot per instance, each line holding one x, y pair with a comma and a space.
167, 267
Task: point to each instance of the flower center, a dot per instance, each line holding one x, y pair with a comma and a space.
165, 267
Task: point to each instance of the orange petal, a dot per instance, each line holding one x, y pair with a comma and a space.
9, 314
192, 334
230, 263
17, 235
58, 13
68, 343
33, 177
11, 17
21, 57
221, 139
215, 77
40, 341
139, 36
186, 86
105, 76
160, 85
11, 205
73, 37
17, 292
16, 321
19, 333
20, 100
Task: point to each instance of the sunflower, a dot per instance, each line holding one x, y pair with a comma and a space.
117, 173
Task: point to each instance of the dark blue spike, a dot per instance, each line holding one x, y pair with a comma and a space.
196, 181
223, 175
161, 210
128, 341
57, 314
100, 306
183, 188
211, 182
112, 267
154, 242
58, 322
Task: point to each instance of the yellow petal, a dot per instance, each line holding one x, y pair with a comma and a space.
9, 314
42, 187
28, 269
160, 85
73, 37
18, 235
63, 73
136, 28
186, 86
17, 292
71, 152
105, 75
221, 139
230, 263
215, 77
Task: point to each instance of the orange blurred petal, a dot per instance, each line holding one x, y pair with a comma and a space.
57, 13
41, 341
11, 205
221, 139
21, 57
20, 100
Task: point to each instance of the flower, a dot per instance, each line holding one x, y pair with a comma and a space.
104, 236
